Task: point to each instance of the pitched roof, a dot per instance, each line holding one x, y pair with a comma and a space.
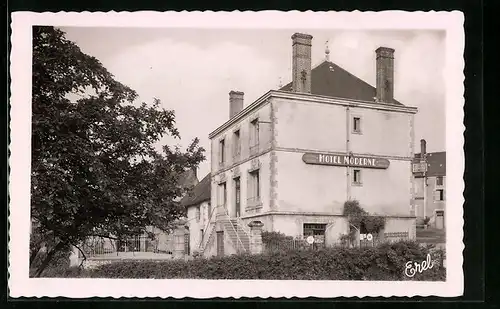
200, 193
328, 79
436, 163
188, 179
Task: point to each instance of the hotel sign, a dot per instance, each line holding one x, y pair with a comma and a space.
345, 160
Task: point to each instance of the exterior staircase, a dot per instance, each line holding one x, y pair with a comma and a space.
239, 238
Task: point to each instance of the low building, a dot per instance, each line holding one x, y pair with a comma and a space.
429, 170
289, 160
198, 214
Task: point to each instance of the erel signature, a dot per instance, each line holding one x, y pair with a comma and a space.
411, 268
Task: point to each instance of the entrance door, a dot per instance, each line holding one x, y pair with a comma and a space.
237, 197
187, 247
220, 243
440, 219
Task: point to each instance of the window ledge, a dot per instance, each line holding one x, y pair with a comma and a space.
357, 184
357, 132
251, 204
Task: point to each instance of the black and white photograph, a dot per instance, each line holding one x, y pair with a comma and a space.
207, 152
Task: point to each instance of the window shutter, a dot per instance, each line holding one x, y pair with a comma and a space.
444, 195
436, 195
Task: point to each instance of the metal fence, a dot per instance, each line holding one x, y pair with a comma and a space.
98, 246
301, 243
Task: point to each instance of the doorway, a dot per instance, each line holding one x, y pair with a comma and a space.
220, 243
237, 197
440, 219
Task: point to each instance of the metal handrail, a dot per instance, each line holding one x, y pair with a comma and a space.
200, 247
243, 226
235, 231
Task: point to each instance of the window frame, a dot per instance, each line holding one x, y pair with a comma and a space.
357, 127
254, 136
254, 196
237, 143
222, 151
356, 173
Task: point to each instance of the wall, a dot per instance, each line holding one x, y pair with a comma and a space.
319, 127
262, 162
293, 225
323, 127
263, 113
397, 225
196, 226
309, 188
382, 133
385, 191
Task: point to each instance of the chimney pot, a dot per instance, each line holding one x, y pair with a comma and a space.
301, 62
423, 148
385, 74
235, 103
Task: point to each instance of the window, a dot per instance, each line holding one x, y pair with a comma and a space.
439, 195
237, 196
222, 152
236, 144
317, 231
439, 180
201, 234
222, 194
356, 177
254, 186
198, 214
254, 136
356, 125
209, 211
313, 229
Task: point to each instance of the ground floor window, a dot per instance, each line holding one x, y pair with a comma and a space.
317, 230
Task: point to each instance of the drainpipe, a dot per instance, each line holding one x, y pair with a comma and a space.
348, 136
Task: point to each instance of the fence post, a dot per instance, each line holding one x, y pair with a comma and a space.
256, 237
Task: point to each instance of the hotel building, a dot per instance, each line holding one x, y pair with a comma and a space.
290, 160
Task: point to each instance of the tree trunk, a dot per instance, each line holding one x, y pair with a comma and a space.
34, 254
48, 258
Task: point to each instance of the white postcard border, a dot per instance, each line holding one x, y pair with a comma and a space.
19, 186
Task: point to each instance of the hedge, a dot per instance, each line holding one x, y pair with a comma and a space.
385, 262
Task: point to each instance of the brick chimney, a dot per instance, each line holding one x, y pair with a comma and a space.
235, 103
301, 62
385, 74
423, 148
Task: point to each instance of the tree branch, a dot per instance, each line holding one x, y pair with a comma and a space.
83, 253
103, 236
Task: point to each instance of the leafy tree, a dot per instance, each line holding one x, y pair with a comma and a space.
95, 169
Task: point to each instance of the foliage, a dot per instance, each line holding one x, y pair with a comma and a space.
276, 241
361, 219
274, 237
385, 262
426, 221
96, 169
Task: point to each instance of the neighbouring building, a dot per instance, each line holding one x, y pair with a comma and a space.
198, 214
288, 161
429, 170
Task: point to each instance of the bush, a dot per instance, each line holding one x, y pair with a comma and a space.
384, 262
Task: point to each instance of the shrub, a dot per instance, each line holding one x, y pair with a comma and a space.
361, 219
384, 262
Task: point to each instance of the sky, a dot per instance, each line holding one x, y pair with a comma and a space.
192, 71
